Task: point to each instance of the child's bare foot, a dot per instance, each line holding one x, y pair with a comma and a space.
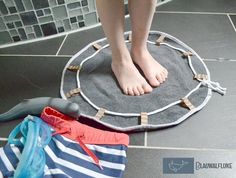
128, 76
153, 71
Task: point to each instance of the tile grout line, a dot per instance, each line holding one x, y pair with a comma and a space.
201, 13
49, 55
163, 2
231, 22
61, 45
35, 55
3, 139
219, 60
145, 138
179, 148
214, 60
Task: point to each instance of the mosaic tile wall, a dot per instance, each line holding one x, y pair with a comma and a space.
29, 19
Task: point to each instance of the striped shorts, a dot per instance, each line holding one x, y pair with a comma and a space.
66, 157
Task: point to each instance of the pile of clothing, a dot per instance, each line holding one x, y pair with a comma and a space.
57, 145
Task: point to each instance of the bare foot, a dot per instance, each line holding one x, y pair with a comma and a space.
155, 73
128, 76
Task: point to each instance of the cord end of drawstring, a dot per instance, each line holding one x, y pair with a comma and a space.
97, 162
100, 166
215, 86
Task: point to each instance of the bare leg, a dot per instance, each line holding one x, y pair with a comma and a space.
111, 13
141, 13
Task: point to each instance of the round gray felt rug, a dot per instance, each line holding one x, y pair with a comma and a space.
88, 80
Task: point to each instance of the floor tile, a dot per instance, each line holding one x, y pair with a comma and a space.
223, 6
149, 163
43, 47
212, 127
29, 77
233, 18
2, 143
7, 127
211, 36
76, 41
225, 74
136, 138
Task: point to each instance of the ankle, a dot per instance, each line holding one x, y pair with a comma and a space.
121, 57
138, 51
121, 62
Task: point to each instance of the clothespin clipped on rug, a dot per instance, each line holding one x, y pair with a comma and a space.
130, 37
97, 46
73, 92
100, 113
73, 68
200, 77
215, 86
187, 104
186, 54
160, 40
144, 118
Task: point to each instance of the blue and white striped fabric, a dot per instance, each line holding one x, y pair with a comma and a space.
65, 158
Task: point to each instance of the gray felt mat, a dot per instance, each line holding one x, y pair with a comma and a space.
164, 107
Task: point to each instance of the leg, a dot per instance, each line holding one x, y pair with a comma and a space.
141, 13
111, 13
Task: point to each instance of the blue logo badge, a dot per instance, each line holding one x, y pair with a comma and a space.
178, 165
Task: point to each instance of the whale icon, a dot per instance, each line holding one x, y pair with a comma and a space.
177, 166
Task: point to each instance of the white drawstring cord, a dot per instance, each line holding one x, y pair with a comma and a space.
215, 86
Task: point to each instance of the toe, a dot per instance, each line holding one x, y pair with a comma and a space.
140, 89
159, 78
154, 82
136, 92
130, 91
147, 88
163, 76
166, 72
125, 90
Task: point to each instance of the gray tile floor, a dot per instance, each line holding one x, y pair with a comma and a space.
34, 69
215, 6
148, 163
214, 126
212, 36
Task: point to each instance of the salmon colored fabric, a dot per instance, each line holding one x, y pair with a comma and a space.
72, 129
